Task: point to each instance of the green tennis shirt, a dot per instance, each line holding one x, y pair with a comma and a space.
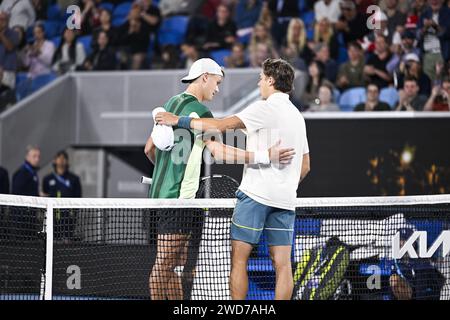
177, 172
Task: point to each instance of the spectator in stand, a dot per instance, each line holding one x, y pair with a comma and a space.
40, 9
410, 100
351, 24
150, 15
434, 31
362, 5
324, 33
315, 80
90, 15
25, 181
103, 58
190, 54
39, 54
295, 41
221, 31
265, 17
209, 8
62, 183
373, 102
9, 41
7, 94
260, 54
328, 9
351, 73
170, 57
407, 45
247, 15
4, 181
396, 19
410, 67
21, 13
260, 36
134, 38
380, 21
197, 30
282, 12
70, 54
375, 69
21, 48
440, 97
322, 54
324, 100
106, 26
237, 59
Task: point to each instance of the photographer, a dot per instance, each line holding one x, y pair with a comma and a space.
439, 98
434, 36
410, 67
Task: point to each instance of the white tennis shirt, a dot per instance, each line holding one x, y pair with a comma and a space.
266, 122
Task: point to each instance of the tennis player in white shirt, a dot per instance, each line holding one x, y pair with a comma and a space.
267, 194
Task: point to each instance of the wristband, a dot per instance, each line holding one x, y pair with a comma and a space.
262, 157
184, 122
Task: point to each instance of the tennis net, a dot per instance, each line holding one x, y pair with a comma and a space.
107, 249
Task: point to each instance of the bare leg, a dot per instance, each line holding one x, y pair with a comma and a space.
175, 282
170, 247
240, 252
281, 259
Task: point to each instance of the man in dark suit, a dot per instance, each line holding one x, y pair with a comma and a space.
4, 181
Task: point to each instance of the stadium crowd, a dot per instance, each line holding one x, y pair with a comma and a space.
395, 56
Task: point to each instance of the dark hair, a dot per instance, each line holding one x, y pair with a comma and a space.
72, 49
373, 84
62, 153
409, 78
282, 72
355, 45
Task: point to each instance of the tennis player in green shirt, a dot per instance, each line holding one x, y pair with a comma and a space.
177, 172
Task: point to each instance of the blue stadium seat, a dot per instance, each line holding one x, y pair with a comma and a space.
302, 5
42, 81
173, 30
351, 97
245, 39
22, 85
108, 6
219, 56
118, 21
54, 12
52, 29
308, 18
56, 41
342, 54
122, 10
310, 34
86, 42
390, 96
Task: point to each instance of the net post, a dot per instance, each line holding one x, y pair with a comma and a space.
49, 252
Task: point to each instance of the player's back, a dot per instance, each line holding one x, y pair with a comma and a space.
169, 174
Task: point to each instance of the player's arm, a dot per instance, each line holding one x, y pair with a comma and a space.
228, 154
149, 150
203, 124
306, 167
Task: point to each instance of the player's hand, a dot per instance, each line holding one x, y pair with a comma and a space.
281, 155
166, 118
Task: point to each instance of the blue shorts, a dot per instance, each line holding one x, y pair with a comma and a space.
250, 218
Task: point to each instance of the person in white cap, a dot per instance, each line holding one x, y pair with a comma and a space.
176, 174
267, 194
